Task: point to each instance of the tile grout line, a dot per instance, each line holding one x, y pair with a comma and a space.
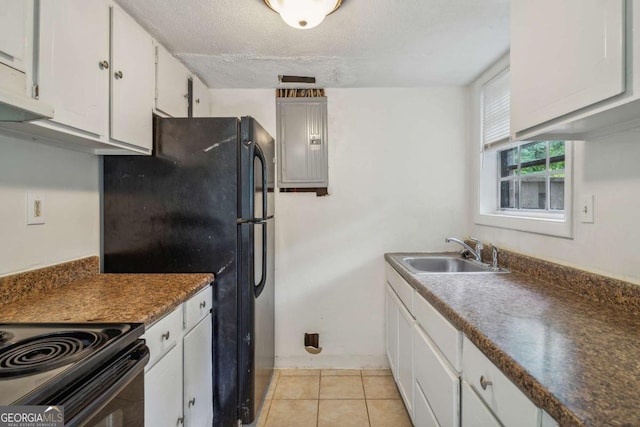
318, 404
366, 402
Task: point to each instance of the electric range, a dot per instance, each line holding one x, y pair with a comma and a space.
85, 367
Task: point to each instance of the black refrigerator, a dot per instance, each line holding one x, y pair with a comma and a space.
204, 202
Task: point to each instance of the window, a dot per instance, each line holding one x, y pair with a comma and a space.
531, 177
523, 185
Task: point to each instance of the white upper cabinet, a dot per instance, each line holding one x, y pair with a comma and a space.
171, 84
74, 55
131, 81
200, 97
15, 18
574, 68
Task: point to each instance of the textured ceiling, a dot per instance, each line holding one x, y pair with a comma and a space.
366, 43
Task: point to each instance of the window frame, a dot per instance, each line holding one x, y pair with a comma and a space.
486, 200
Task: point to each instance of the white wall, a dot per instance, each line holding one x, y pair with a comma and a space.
396, 183
608, 169
69, 182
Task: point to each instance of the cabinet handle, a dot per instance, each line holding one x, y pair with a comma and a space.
180, 421
203, 304
192, 402
104, 65
198, 101
166, 335
484, 383
118, 75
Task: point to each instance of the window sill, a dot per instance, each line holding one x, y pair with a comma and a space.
549, 224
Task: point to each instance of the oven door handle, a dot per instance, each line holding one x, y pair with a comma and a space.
134, 368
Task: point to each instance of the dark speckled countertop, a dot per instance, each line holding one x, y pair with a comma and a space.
140, 298
576, 358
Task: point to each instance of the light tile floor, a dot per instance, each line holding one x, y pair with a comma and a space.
333, 398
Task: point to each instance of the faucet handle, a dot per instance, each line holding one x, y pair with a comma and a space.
478, 242
494, 251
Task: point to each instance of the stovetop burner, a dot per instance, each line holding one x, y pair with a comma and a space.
47, 352
38, 360
5, 336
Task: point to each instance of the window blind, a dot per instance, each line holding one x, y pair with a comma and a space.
496, 109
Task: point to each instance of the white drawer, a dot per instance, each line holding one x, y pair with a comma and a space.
434, 378
163, 335
446, 337
402, 288
197, 308
506, 401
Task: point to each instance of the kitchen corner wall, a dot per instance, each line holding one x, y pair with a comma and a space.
608, 169
69, 183
397, 182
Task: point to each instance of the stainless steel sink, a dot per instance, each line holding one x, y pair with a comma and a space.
444, 264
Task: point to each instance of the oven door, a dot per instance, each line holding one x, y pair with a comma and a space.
112, 397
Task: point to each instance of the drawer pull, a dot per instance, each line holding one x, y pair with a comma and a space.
485, 382
192, 402
203, 304
180, 421
166, 335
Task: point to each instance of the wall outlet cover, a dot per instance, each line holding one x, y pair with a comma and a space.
35, 208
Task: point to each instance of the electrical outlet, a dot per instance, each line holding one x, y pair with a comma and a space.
35, 208
585, 210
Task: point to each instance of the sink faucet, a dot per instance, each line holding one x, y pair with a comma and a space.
474, 252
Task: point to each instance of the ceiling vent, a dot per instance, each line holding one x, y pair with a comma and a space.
297, 79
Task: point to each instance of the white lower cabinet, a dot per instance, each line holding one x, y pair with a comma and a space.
435, 379
405, 357
399, 343
391, 326
198, 409
163, 391
422, 413
474, 412
428, 355
178, 378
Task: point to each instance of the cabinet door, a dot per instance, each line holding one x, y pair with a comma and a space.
74, 41
405, 357
422, 414
132, 74
474, 412
171, 84
302, 137
201, 102
14, 15
163, 391
391, 326
198, 388
440, 385
565, 55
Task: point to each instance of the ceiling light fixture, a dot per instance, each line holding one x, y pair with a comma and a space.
303, 14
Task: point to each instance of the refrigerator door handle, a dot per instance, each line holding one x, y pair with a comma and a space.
257, 290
